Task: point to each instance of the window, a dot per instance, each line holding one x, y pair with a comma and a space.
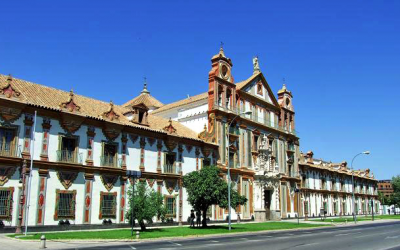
7, 142
255, 142
206, 162
108, 205
220, 91
109, 157
6, 195
323, 184
259, 88
232, 162
169, 163
170, 204
67, 150
228, 99
65, 204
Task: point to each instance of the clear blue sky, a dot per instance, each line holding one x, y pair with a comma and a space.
340, 59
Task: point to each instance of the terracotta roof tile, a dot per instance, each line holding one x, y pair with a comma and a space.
51, 98
202, 96
146, 99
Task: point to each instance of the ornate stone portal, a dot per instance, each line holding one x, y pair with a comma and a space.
266, 182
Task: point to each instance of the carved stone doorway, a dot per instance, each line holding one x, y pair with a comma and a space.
267, 202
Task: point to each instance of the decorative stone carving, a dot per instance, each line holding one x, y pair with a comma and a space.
70, 105
170, 144
189, 148
151, 182
208, 136
205, 151
151, 141
110, 114
71, 123
8, 91
112, 131
170, 185
133, 137
170, 129
9, 114
109, 181
5, 174
66, 178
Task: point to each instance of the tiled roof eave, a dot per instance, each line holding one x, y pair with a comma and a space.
334, 170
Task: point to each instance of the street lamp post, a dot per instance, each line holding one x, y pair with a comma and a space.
229, 169
133, 174
352, 181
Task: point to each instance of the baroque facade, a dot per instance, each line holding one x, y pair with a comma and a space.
257, 128
83, 148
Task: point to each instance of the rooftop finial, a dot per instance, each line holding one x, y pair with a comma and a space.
256, 66
145, 91
221, 49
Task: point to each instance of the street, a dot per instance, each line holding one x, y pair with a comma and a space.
365, 237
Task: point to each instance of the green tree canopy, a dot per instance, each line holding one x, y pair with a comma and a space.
206, 188
147, 204
395, 197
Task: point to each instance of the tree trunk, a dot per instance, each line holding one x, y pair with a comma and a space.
204, 223
142, 225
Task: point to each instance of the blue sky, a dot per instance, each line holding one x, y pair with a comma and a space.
339, 59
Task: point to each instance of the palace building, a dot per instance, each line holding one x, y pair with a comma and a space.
257, 128
83, 147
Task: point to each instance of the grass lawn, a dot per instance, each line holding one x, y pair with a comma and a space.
172, 231
359, 218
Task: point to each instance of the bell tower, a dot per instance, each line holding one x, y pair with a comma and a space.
286, 118
221, 87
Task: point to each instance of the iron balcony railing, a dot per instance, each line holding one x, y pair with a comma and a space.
69, 156
109, 161
8, 150
171, 169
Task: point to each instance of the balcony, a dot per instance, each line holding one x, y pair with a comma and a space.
69, 156
109, 161
171, 169
304, 184
7, 151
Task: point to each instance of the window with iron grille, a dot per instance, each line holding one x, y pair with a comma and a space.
108, 205
65, 204
7, 138
6, 203
170, 204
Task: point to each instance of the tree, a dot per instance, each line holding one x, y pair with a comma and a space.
383, 199
395, 197
147, 204
206, 188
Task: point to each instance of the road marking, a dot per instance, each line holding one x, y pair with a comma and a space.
392, 237
244, 239
288, 234
176, 244
214, 241
132, 247
341, 234
309, 244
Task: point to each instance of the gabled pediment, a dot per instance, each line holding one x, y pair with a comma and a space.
258, 87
